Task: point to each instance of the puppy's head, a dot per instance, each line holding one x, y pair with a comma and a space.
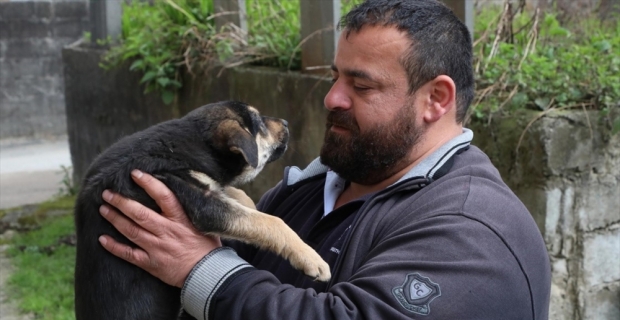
240, 129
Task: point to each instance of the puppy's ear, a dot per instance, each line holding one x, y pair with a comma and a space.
238, 140
245, 144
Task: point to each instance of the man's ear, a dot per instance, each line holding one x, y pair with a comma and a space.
441, 98
239, 140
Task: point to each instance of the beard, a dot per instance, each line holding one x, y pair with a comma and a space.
372, 156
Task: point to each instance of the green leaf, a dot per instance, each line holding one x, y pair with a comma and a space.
148, 76
603, 45
138, 64
163, 81
519, 100
559, 31
167, 96
542, 103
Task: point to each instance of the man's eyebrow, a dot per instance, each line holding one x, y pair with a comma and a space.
354, 73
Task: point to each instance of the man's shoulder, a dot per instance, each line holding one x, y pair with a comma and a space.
472, 189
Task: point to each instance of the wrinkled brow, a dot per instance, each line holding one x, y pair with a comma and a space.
354, 73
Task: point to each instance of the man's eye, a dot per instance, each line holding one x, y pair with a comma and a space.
357, 88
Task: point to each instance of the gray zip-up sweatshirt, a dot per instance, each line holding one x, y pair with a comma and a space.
448, 241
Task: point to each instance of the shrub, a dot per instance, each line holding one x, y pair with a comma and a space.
165, 37
545, 64
522, 59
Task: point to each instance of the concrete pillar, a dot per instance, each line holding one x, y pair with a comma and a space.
319, 22
232, 11
105, 19
464, 9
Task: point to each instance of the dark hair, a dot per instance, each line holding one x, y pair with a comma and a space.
440, 42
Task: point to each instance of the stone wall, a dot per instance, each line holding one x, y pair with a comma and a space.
32, 34
566, 170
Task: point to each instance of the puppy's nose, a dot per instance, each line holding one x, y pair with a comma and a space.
285, 123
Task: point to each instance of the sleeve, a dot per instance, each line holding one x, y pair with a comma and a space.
447, 267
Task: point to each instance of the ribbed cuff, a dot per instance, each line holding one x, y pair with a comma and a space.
205, 279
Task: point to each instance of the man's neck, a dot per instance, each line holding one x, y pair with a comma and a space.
422, 151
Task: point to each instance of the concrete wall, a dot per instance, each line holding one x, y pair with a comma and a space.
567, 170
103, 106
32, 34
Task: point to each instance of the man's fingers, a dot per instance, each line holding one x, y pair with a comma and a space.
128, 228
135, 256
164, 198
140, 214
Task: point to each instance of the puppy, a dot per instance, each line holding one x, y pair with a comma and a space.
199, 157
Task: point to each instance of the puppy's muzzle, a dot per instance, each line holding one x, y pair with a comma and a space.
279, 130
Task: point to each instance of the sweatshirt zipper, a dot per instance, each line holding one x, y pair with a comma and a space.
363, 211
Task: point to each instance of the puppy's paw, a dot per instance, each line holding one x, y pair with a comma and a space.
311, 264
321, 271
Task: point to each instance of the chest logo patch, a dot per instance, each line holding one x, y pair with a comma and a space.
416, 293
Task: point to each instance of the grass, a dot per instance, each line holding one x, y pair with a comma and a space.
42, 281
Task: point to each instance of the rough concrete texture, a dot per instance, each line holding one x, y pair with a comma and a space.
601, 302
598, 250
32, 34
567, 172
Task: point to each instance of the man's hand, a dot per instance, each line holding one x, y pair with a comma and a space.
169, 246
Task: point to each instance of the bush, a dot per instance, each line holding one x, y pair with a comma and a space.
522, 59
165, 37
544, 64
160, 39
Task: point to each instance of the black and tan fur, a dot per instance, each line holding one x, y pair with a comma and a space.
200, 157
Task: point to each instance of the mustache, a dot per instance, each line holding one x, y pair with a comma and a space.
342, 119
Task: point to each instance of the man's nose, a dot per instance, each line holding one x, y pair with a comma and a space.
337, 97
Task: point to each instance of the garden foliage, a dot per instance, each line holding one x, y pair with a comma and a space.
533, 60
522, 59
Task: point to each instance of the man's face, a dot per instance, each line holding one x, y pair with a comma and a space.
372, 125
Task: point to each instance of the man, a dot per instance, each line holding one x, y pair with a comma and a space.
414, 222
